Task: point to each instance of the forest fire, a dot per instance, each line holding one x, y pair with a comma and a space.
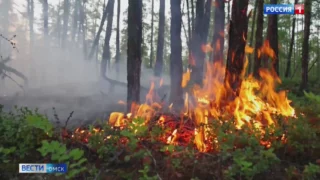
256, 106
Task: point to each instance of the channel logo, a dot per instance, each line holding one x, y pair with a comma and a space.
283, 9
43, 168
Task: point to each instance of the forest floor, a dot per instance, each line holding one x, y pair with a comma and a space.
89, 101
240, 156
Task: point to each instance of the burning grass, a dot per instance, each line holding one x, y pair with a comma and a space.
256, 106
164, 147
241, 135
220, 134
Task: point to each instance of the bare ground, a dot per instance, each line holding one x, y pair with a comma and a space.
89, 101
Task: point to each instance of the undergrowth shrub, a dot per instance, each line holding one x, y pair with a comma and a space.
135, 152
23, 134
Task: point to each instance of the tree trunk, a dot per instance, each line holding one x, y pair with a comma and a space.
118, 39
229, 11
318, 53
32, 70
251, 62
237, 42
192, 15
45, 17
305, 47
106, 54
218, 36
75, 20
31, 19
134, 51
159, 59
272, 37
259, 38
97, 37
151, 43
66, 11
83, 25
176, 57
59, 24
189, 25
287, 73
197, 61
206, 20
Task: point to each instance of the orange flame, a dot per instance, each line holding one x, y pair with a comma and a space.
255, 105
206, 48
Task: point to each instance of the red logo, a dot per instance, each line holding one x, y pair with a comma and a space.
299, 9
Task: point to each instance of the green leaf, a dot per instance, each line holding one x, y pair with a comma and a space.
76, 154
126, 133
82, 160
40, 123
64, 158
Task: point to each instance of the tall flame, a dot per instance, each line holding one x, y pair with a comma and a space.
255, 105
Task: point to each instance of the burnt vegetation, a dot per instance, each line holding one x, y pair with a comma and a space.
231, 93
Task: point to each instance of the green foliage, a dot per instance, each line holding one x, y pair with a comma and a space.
315, 99
301, 135
58, 152
248, 162
145, 175
135, 151
41, 123
311, 171
21, 133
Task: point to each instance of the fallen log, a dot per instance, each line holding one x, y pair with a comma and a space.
161, 90
119, 83
4, 67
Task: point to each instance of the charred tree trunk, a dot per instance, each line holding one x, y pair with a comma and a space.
45, 17
134, 51
118, 39
251, 62
97, 37
237, 42
176, 57
218, 36
66, 11
305, 47
272, 37
287, 73
259, 38
106, 54
159, 59
151, 43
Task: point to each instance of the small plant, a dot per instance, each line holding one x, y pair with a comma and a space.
315, 99
249, 163
21, 133
59, 153
311, 171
